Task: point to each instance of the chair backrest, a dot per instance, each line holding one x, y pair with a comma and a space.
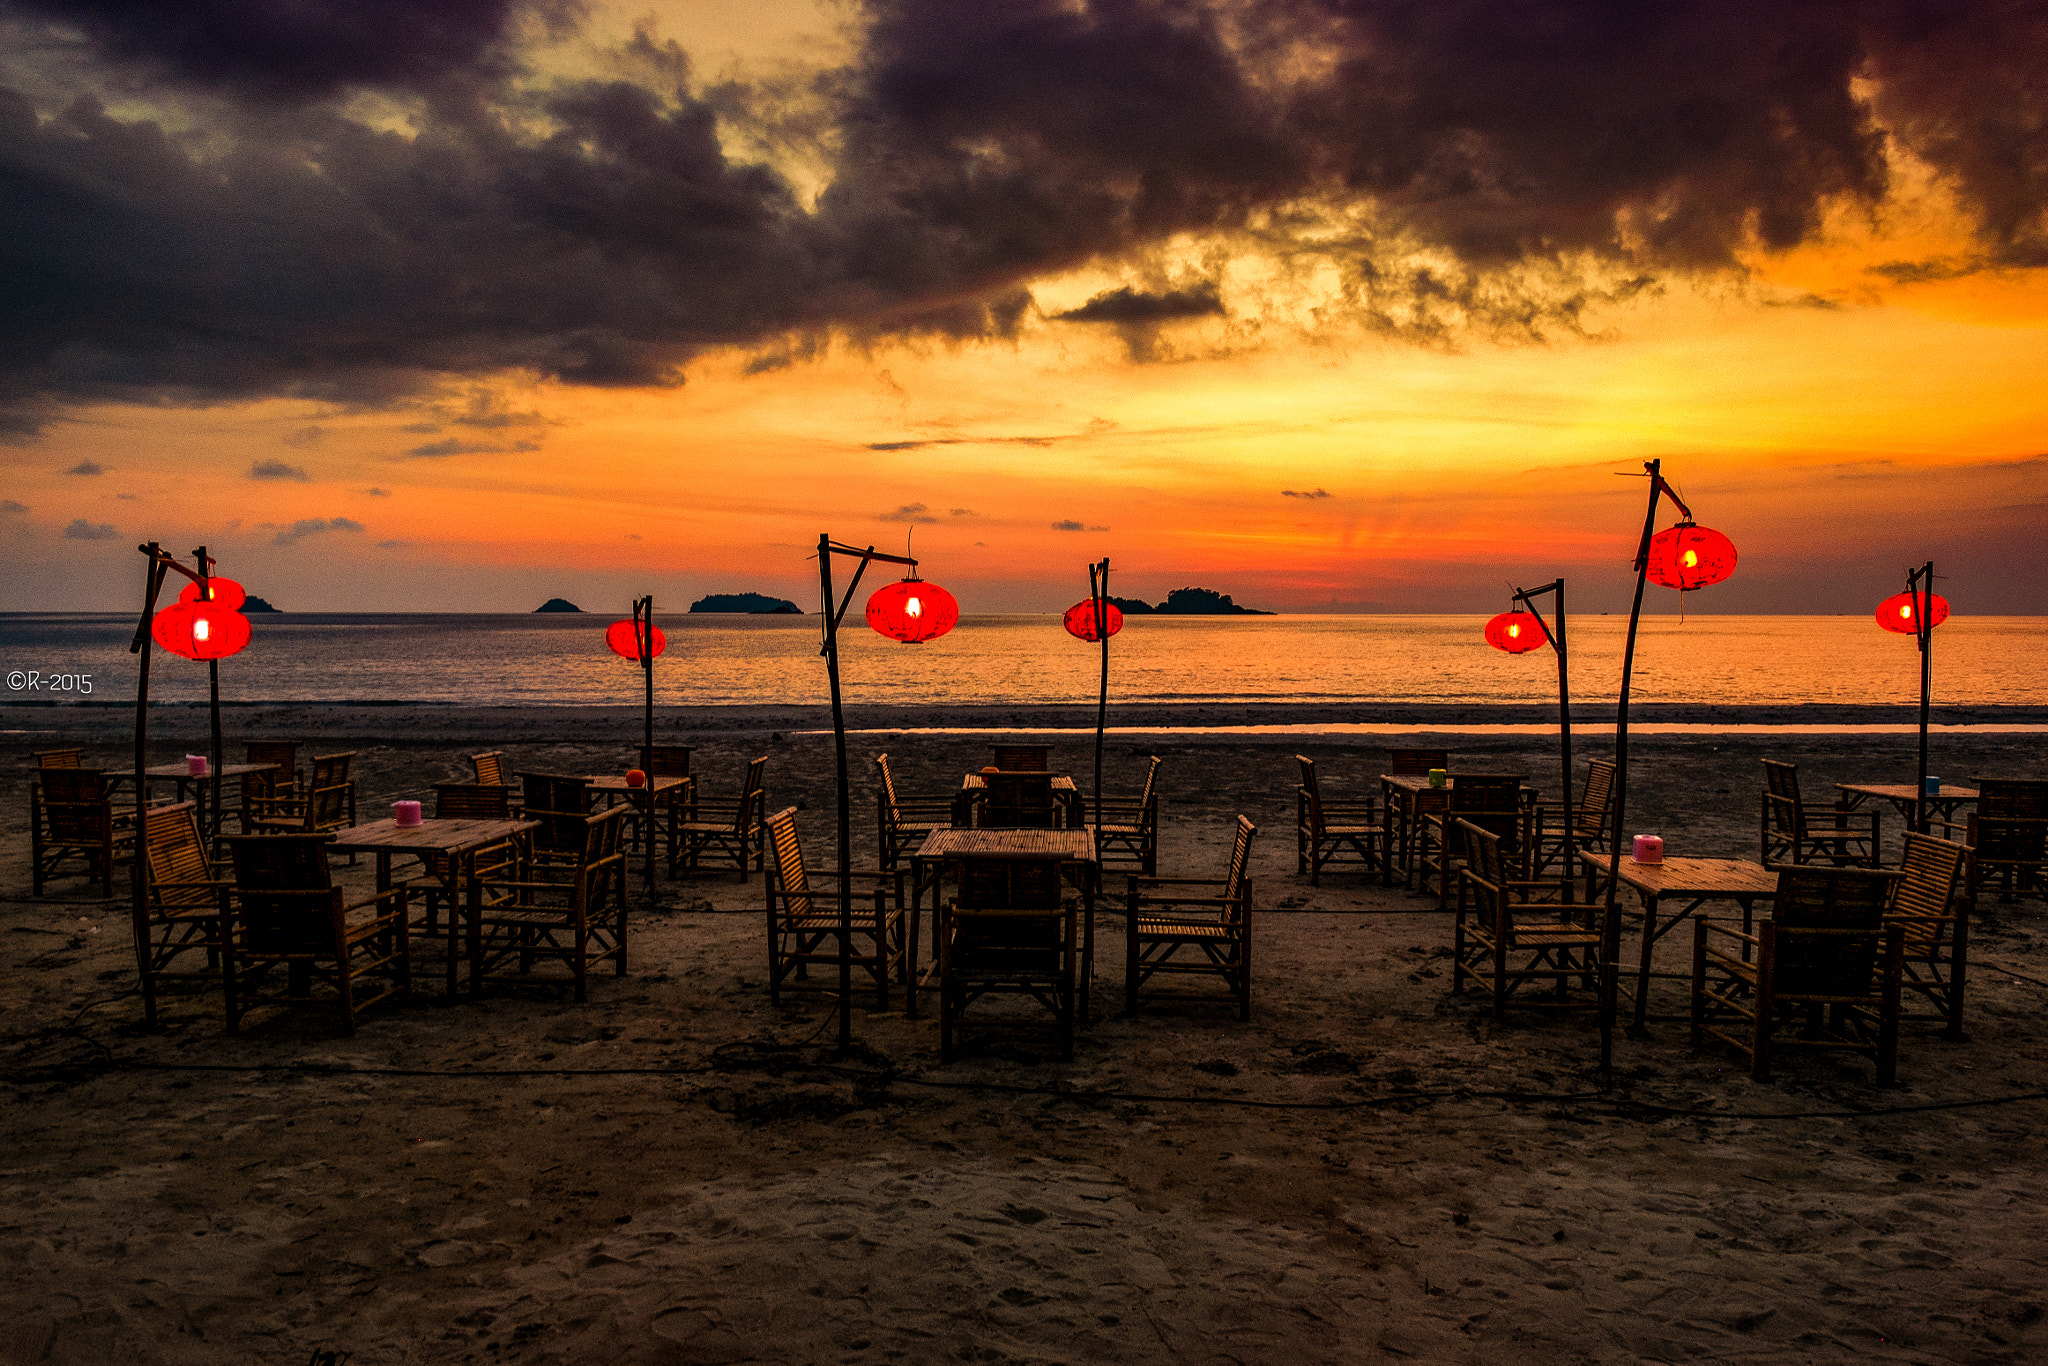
1025, 884
786, 864
490, 767
475, 801
283, 753
176, 853
561, 803
1827, 922
1017, 801
1933, 869
1151, 781
1311, 788
1782, 780
77, 803
750, 796
59, 758
2011, 820
1491, 801
1023, 758
1239, 869
888, 784
1596, 800
284, 893
1408, 762
328, 793
666, 761
601, 855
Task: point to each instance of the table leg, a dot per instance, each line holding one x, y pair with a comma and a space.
1089, 874
914, 914
1643, 971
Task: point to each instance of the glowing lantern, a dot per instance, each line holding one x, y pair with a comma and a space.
1080, 619
1686, 557
1895, 613
624, 639
1515, 632
225, 593
913, 611
200, 630
635, 778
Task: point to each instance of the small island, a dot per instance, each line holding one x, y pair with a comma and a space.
756, 604
1188, 602
558, 605
252, 603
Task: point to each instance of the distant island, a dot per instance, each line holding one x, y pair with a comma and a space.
757, 603
252, 603
558, 605
1188, 602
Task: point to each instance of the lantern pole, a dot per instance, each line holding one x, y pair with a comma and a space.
1527, 597
138, 910
204, 579
827, 548
643, 641
1098, 589
1920, 583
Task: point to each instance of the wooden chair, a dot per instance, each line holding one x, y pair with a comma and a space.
571, 914
904, 823
1350, 832
2008, 837
1017, 801
286, 919
1824, 971
1022, 758
328, 804
186, 914
1009, 932
803, 919
1503, 943
1213, 916
59, 758
263, 794
1128, 836
671, 804
560, 802
1581, 826
1491, 801
1409, 762
733, 828
489, 767
1928, 904
1795, 831
72, 816
438, 882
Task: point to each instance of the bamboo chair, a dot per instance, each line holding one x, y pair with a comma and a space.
559, 802
675, 803
904, 823
1491, 801
438, 880
1409, 762
287, 920
59, 758
1128, 836
489, 767
1824, 971
803, 919
1012, 800
571, 914
733, 828
329, 802
1928, 904
72, 816
1350, 832
1163, 916
1581, 826
264, 793
2008, 837
1503, 943
1009, 932
1022, 758
1797, 831
186, 913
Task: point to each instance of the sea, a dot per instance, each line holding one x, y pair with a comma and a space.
717, 660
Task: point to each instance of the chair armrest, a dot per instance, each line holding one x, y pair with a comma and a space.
1137, 881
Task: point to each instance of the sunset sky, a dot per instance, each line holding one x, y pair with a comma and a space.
1332, 305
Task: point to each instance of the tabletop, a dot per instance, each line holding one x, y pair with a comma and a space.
616, 782
1419, 782
1692, 876
1076, 846
1906, 792
435, 835
975, 781
184, 771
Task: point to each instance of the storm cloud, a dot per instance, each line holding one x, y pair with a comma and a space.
1503, 162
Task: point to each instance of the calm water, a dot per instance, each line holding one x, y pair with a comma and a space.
526, 659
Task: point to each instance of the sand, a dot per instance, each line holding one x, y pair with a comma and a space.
1370, 1170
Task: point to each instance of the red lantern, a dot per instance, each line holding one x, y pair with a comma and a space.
200, 630
1080, 619
1686, 557
636, 778
913, 611
1515, 632
624, 638
1895, 613
225, 593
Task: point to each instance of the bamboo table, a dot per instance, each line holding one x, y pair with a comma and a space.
1074, 848
1409, 798
1697, 881
208, 784
1906, 798
643, 799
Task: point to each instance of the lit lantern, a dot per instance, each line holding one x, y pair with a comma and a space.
1895, 613
624, 639
200, 630
636, 777
1080, 619
1515, 632
1686, 557
225, 593
913, 611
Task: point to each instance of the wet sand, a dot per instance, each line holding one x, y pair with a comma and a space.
1370, 1170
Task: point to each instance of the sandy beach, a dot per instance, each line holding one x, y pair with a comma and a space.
1370, 1170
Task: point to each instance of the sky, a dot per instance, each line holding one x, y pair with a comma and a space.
1331, 305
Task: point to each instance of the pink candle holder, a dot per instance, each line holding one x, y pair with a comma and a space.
195, 764
1648, 849
408, 813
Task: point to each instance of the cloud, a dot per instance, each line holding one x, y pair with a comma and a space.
10, 506
909, 512
376, 493
1311, 494
304, 436
277, 469
487, 410
1129, 305
421, 428
633, 536
964, 512
82, 530
435, 450
394, 545
314, 526
87, 467
126, 498
1068, 525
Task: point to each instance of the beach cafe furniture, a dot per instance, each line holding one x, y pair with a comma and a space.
557, 804
644, 803
1503, 943
1022, 758
1491, 801
1690, 882
1929, 906
1823, 972
2008, 836
264, 791
328, 803
1342, 832
489, 767
672, 793
59, 758
732, 827
1010, 931
954, 850
1796, 831
903, 823
72, 817
571, 914
1585, 824
1193, 927
181, 931
204, 788
1405, 790
803, 919
1906, 799
445, 877
296, 941
1128, 835
1028, 797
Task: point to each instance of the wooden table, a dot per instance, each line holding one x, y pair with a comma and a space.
458, 838
1697, 880
614, 786
1906, 798
207, 783
1409, 798
945, 847
1064, 792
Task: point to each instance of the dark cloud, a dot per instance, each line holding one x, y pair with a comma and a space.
1068, 525
435, 450
304, 436
277, 469
9, 505
909, 512
1310, 494
82, 530
963, 512
376, 493
87, 467
314, 526
1489, 165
